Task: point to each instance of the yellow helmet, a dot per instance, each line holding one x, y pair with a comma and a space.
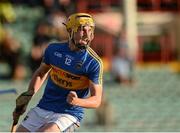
79, 19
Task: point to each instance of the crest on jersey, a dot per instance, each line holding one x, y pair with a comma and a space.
79, 64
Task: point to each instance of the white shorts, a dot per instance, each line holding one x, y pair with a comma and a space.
37, 117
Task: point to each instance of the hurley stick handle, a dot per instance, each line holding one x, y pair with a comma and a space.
14, 125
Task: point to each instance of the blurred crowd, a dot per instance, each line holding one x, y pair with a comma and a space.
122, 62
47, 28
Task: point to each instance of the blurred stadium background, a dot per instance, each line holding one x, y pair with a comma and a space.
149, 28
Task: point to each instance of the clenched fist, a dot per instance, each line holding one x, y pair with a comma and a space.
72, 98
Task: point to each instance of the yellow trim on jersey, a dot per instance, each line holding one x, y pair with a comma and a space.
68, 80
98, 59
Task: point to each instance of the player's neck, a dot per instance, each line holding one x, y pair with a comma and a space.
73, 47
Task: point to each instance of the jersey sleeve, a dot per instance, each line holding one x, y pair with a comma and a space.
96, 72
46, 56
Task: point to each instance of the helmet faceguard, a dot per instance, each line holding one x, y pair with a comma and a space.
76, 21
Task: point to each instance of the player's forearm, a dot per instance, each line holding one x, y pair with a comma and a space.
36, 82
90, 102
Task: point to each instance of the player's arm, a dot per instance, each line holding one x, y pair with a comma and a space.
93, 101
36, 82
38, 78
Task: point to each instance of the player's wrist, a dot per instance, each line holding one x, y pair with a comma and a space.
77, 101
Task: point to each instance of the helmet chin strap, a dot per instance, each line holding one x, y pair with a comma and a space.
80, 46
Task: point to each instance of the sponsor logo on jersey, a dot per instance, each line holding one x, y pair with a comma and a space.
66, 75
61, 81
68, 80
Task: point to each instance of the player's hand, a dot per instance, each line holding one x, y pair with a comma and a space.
72, 98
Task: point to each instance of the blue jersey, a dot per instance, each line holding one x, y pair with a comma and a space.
71, 70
